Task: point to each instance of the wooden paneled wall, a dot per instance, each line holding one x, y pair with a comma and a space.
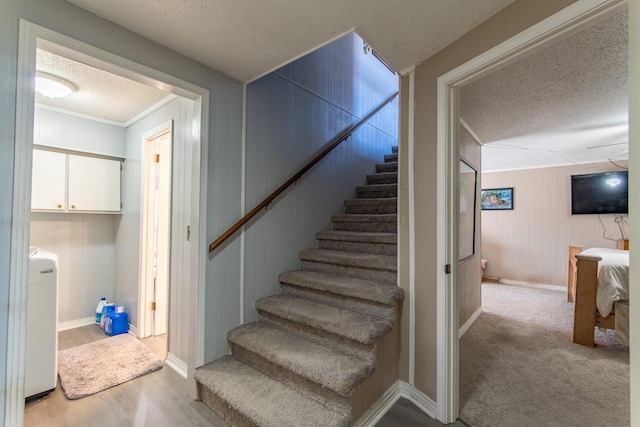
85, 243
291, 114
529, 243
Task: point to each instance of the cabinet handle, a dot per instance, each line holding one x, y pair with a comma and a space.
59, 206
73, 206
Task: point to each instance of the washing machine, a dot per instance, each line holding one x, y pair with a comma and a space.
41, 364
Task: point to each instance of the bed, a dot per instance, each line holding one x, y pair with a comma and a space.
598, 282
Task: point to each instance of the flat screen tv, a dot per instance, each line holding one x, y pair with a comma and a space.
600, 193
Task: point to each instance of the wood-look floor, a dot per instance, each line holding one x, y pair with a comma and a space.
157, 399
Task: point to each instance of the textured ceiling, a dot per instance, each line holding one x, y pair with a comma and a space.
567, 104
98, 93
246, 39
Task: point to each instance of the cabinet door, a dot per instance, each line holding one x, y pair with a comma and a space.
94, 184
48, 184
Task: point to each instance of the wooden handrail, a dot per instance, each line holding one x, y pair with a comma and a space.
346, 133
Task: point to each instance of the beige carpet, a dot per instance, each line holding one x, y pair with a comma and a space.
518, 366
97, 366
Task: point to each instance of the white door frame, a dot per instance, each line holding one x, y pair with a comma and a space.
145, 295
31, 35
560, 25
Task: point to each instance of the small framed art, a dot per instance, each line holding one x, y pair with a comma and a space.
497, 199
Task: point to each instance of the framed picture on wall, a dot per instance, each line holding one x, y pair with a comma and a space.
497, 199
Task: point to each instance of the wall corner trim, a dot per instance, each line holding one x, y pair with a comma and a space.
390, 397
469, 322
177, 365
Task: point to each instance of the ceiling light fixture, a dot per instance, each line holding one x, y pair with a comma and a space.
51, 86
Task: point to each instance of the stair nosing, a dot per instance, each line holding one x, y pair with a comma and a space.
323, 324
350, 259
374, 218
358, 236
330, 283
250, 409
342, 384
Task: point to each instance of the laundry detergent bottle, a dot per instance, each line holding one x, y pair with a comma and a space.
99, 308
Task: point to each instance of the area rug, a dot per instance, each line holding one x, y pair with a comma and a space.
97, 366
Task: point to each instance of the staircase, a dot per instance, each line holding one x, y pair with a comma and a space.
325, 349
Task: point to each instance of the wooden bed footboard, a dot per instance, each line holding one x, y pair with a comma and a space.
586, 316
571, 270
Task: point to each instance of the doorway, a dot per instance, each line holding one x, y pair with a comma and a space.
196, 100
568, 20
155, 239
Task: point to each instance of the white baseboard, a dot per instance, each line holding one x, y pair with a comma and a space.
378, 409
419, 399
390, 397
78, 323
469, 322
133, 330
177, 365
534, 285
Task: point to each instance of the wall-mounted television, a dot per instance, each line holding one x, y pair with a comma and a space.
600, 193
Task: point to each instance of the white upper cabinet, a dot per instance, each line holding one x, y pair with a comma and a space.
49, 181
75, 183
94, 184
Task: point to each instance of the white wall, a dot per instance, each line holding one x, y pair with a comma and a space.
291, 114
55, 129
85, 243
529, 243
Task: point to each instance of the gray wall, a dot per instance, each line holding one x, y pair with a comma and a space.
291, 114
224, 122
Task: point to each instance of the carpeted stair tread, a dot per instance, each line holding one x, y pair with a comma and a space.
262, 400
377, 187
393, 157
387, 167
344, 286
368, 206
379, 218
355, 236
329, 368
351, 259
383, 178
345, 323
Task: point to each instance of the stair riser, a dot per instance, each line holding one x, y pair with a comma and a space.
376, 194
369, 227
383, 276
357, 349
388, 158
377, 179
222, 407
387, 167
341, 404
359, 306
371, 209
359, 247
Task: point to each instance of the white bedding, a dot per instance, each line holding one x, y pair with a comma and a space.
613, 277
